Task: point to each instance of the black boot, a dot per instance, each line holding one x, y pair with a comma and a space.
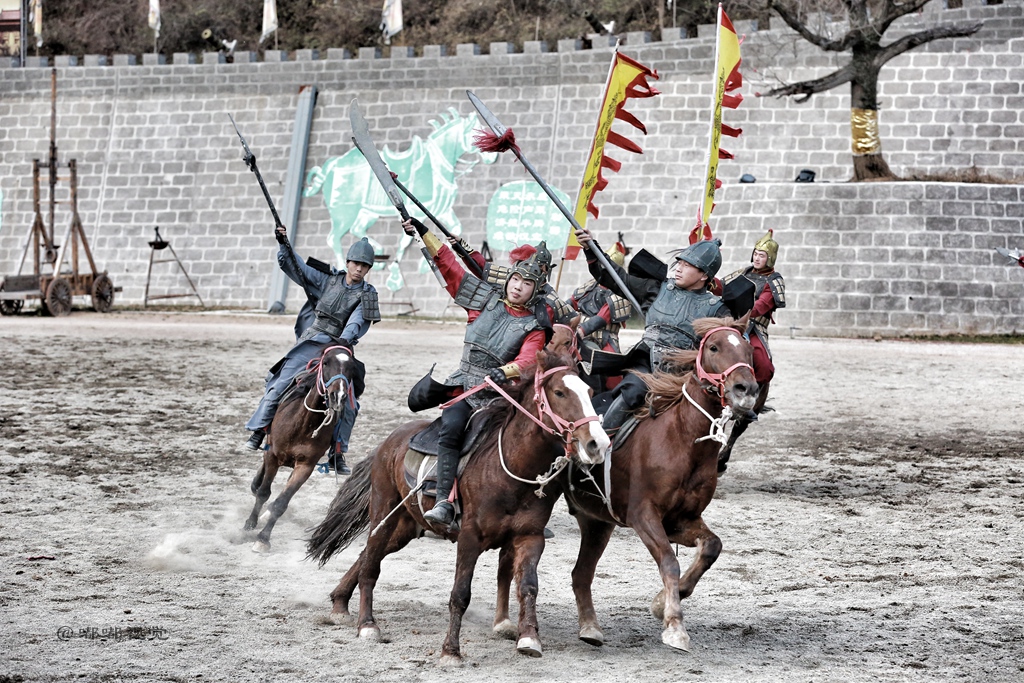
256, 439
337, 461
616, 414
443, 512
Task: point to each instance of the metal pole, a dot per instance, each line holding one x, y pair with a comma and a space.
53, 149
24, 32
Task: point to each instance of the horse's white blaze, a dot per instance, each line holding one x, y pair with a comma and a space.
582, 391
734, 340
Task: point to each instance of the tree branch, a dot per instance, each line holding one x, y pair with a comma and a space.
804, 89
790, 17
894, 11
915, 39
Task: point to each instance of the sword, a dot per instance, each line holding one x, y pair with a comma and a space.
250, 161
496, 126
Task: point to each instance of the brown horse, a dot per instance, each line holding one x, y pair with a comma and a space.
664, 476
550, 421
301, 433
740, 426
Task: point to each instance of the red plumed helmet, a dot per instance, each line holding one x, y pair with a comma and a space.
522, 253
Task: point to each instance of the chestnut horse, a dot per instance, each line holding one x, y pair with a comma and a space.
301, 432
551, 421
664, 476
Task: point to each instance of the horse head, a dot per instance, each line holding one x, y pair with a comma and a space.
563, 400
564, 338
724, 362
334, 374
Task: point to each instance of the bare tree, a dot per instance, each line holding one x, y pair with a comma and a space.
866, 23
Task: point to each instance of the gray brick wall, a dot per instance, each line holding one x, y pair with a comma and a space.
154, 147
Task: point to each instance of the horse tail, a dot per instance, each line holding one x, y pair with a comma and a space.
314, 181
347, 517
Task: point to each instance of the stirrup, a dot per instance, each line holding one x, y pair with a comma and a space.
442, 514
255, 441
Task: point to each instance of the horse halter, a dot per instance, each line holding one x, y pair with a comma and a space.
574, 348
717, 380
323, 385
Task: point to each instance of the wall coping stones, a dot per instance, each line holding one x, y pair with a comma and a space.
307, 55
65, 60
402, 52
214, 58
183, 58
245, 57
501, 48
95, 60
670, 35
535, 46
339, 53
600, 40
9, 62
369, 53
569, 44
124, 60
275, 56
638, 37
467, 50
435, 51
154, 59
37, 62
706, 30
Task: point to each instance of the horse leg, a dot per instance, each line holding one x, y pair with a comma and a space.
503, 625
709, 546
265, 478
465, 563
391, 538
528, 552
300, 473
738, 428
594, 537
342, 593
648, 526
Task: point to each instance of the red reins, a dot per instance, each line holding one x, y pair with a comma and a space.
717, 380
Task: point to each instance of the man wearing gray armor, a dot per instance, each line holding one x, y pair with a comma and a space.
502, 339
346, 307
670, 307
550, 309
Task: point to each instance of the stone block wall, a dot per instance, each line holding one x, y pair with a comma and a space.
154, 147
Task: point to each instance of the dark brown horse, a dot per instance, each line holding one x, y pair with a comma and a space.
551, 420
664, 476
301, 433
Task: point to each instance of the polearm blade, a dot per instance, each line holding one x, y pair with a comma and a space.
459, 249
1015, 255
250, 161
495, 125
361, 138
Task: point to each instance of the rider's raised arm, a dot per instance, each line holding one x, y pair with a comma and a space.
290, 262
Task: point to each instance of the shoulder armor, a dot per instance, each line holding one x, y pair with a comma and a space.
371, 306
620, 307
733, 275
496, 275
583, 289
473, 293
778, 286
563, 312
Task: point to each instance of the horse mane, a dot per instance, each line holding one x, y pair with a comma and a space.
665, 388
500, 412
304, 381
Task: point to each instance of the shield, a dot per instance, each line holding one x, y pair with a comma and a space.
429, 393
647, 265
738, 296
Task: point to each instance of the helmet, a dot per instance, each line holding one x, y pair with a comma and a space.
616, 254
526, 264
769, 246
361, 252
705, 255
543, 255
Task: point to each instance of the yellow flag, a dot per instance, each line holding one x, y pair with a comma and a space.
627, 78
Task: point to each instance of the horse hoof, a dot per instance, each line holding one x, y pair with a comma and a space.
658, 606
249, 526
340, 618
676, 638
529, 647
370, 634
261, 547
506, 629
451, 661
592, 635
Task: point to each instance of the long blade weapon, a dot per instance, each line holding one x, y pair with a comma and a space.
500, 130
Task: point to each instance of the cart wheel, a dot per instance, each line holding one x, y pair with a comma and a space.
102, 293
58, 297
11, 306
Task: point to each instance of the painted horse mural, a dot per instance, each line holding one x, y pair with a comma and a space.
429, 168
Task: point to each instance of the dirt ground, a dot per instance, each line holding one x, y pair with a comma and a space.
872, 524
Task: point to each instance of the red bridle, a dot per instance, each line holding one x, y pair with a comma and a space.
717, 380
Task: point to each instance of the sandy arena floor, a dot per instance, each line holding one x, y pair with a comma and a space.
872, 525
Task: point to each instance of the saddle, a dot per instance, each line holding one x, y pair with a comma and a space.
421, 459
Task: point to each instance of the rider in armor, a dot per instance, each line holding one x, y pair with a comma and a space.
502, 339
604, 313
548, 302
670, 306
346, 307
770, 294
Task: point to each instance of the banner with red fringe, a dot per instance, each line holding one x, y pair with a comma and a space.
627, 78
727, 79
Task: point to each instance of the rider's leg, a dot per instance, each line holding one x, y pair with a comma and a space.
631, 393
449, 444
342, 435
277, 384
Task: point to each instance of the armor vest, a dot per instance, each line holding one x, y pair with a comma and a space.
590, 298
337, 303
774, 282
492, 340
670, 319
